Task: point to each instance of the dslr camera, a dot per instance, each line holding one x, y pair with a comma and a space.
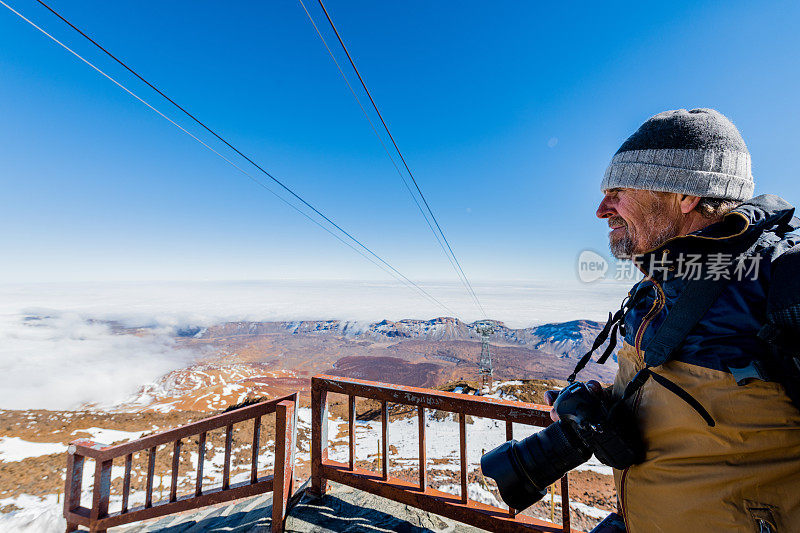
523, 470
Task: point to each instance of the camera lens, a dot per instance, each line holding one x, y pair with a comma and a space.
523, 470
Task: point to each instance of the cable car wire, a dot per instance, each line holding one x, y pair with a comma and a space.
375, 131
391, 270
457, 266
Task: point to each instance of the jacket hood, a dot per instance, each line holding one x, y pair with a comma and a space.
734, 234
769, 212
759, 214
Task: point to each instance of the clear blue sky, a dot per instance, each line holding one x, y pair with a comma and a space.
507, 113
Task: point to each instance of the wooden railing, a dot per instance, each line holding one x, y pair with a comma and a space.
97, 517
418, 494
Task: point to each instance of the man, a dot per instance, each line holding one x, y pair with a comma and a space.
709, 393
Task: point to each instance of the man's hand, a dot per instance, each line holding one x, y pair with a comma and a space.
551, 395
550, 398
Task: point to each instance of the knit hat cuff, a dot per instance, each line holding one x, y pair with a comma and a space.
707, 173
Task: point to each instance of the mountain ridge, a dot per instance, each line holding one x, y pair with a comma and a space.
569, 339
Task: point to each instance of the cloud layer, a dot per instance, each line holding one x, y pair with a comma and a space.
63, 361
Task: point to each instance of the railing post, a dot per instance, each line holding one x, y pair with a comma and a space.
319, 436
255, 447
176, 462
284, 462
351, 429
423, 458
126, 482
201, 458
72, 486
226, 467
385, 440
510, 436
565, 525
100, 494
151, 472
462, 434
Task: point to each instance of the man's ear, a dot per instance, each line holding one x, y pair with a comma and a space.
688, 203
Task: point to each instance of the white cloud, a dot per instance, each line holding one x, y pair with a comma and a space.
63, 361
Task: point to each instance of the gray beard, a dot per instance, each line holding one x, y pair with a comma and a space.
624, 248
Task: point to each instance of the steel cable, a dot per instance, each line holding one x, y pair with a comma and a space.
377, 135
456, 264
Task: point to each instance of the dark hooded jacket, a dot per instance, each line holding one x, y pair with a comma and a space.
743, 473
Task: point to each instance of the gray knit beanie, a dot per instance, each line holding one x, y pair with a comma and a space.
698, 152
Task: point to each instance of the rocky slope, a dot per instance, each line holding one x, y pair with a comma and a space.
268, 359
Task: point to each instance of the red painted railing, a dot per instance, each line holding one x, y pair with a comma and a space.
418, 494
97, 517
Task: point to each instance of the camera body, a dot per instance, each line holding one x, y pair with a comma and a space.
613, 439
523, 470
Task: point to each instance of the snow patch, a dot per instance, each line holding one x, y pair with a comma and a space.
36, 515
110, 436
15, 449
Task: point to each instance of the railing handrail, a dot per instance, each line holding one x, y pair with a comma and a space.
99, 451
98, 518
480, 406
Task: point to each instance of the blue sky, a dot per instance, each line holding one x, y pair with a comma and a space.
507, 113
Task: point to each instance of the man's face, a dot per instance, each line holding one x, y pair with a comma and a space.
639, 220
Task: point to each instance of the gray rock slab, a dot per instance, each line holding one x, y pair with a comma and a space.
342, 509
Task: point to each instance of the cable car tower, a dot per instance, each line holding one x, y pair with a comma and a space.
485, 361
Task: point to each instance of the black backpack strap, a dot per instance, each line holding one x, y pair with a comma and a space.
694, 302
782, 329
683, 395
641, 378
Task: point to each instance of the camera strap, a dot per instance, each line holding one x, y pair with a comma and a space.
615, 323
612, 325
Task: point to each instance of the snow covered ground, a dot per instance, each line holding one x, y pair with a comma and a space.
44, 514
37, 515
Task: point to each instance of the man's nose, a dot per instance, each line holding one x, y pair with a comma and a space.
605, 210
